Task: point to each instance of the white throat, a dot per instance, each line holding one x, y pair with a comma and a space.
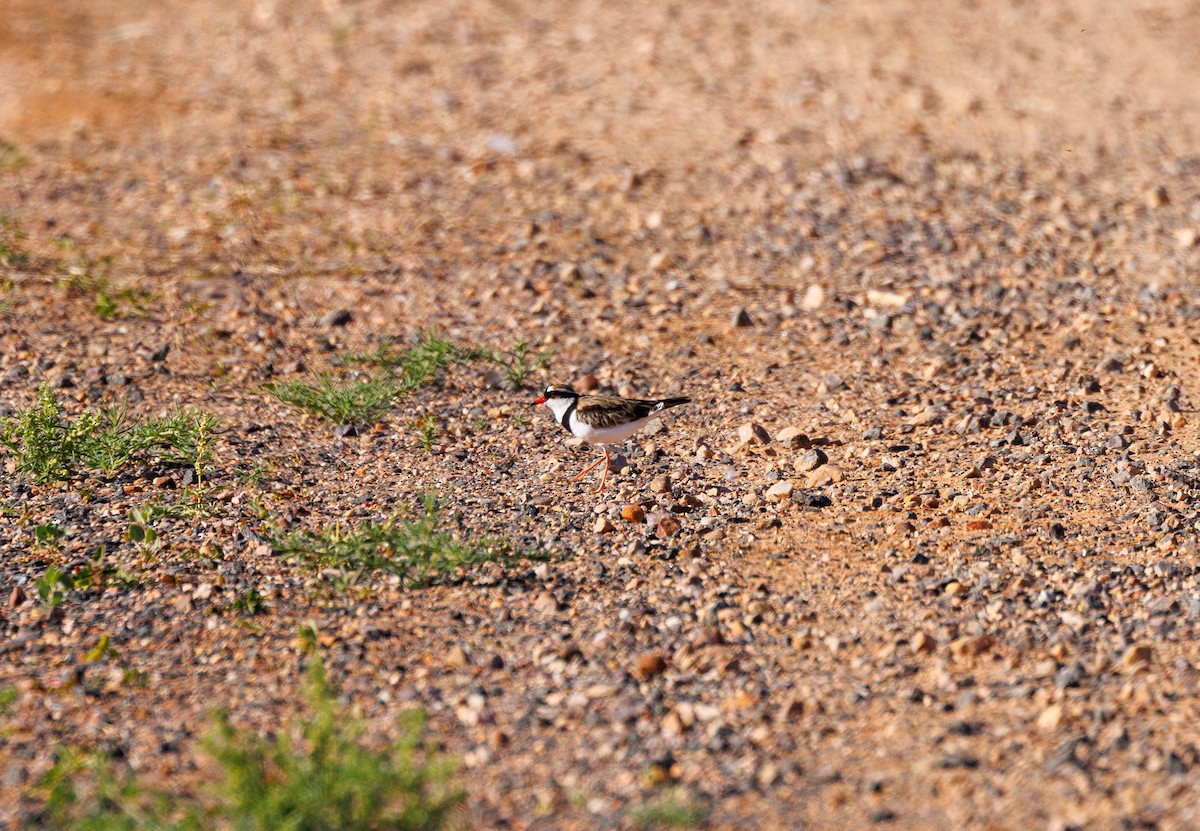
558, 406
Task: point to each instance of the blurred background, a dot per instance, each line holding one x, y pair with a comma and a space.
254, 124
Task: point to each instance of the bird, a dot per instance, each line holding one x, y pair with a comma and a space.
602, 419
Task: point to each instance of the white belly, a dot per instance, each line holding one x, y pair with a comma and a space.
608, 435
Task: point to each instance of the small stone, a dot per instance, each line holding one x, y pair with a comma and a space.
779, 491
978, 525
955, 588
588, 383
1187, 237
633, 513
704, 453
750, 432
793, 438
1137, 655
890, 464
457, 657
203, 591
650, 664
546, 603
923, 644
811, 460
336, 317
826, 475
16, 597
660, 484
741, 319
792, 711
1051, 717
603, 526
1157, 197
814, 297
668, 526
969, 646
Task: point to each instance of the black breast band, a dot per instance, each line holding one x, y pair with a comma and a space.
566, 416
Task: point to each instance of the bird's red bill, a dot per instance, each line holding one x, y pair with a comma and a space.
541, 400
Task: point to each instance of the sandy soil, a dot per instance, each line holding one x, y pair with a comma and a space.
944, 257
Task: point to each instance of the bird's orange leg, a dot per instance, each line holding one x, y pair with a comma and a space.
604, 476
591, 467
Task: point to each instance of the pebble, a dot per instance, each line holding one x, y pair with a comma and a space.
603, 526
811, 460
650, 664
1137, 655
336, 317
779, 491
826, 475
546, 603
971, 646
814, 297
633, 513
668, 526
741, 319
1051, 718
660, 484
793, 438
752, 432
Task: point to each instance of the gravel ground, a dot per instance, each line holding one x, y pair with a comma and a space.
922, 552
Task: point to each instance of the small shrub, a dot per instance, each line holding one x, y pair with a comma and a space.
348, 402
671, 811
417, 549
324, 780
51, 447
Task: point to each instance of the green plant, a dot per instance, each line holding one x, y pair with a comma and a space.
519, 364
671, 810
49, 534
354, 401
53, 586
309, 637
102, 650
327, 779
12, 234
415, 549
46, 446
7, 697
85, 275
251, 603
429, 432
50, 447
315, 776
10, 156
140, 530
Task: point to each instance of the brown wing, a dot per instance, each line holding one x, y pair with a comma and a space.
603, 411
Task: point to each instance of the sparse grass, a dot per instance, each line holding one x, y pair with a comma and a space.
85, 275
7, 287
353, 401
397, 373
11, 156
316, 776
250, 603
12, 234
429, 432
50, 447
417, 549
671, 810
519, 363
